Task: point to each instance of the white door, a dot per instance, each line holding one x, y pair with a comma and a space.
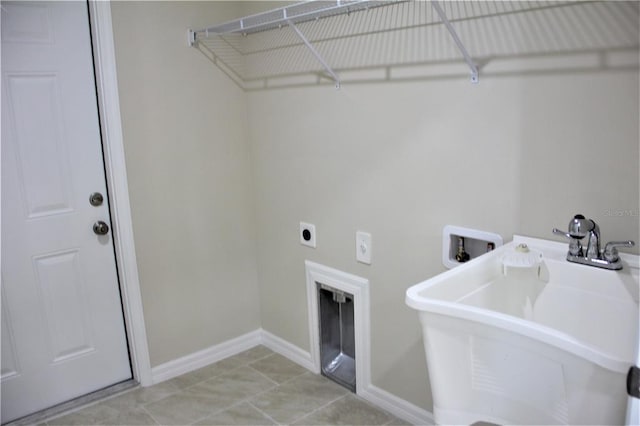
63, 331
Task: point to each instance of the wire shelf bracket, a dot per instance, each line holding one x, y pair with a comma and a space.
315, 53
454, 35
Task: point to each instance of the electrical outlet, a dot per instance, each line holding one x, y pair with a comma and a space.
308, 234
363, 247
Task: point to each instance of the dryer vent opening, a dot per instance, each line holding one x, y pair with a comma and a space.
337, 338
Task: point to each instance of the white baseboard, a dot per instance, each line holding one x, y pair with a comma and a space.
288, 350
381, 398
207, 356
397, 406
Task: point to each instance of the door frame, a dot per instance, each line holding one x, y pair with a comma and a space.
116, 176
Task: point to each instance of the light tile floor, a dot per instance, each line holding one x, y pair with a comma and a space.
255, 387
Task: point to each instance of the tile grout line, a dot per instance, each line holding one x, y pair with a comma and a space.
320, 408
248, 398
241, 401
142, 406
272, 380
246, 364
264, 414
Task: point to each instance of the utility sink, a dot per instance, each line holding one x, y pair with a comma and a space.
523, 336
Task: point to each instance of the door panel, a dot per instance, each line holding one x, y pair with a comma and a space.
63, 300
43, 168
9, 360
63, 331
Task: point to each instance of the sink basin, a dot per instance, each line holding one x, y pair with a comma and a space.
546, 344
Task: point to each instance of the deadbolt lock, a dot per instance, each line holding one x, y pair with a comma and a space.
96, 199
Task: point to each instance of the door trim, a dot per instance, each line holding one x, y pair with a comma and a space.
116, 174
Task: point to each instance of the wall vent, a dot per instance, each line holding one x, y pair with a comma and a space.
329, 289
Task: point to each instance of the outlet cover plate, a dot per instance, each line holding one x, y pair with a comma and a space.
307, 234
363, 247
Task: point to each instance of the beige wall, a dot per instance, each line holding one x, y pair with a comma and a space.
184, 130
517, 154
213, 172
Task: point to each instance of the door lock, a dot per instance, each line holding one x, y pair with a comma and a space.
96, 199
100, 228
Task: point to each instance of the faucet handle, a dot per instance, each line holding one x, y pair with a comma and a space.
610, 253
575, 248
561, 232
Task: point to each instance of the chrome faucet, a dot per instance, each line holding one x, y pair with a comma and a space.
606, 258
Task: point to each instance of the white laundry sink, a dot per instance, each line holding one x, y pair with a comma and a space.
550, 343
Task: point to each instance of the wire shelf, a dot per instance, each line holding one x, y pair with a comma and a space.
296, 13
377, 38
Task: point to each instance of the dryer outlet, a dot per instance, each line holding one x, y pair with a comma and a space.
307, 234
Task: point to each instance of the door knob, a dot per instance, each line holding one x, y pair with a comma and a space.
100, 228
96, 199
